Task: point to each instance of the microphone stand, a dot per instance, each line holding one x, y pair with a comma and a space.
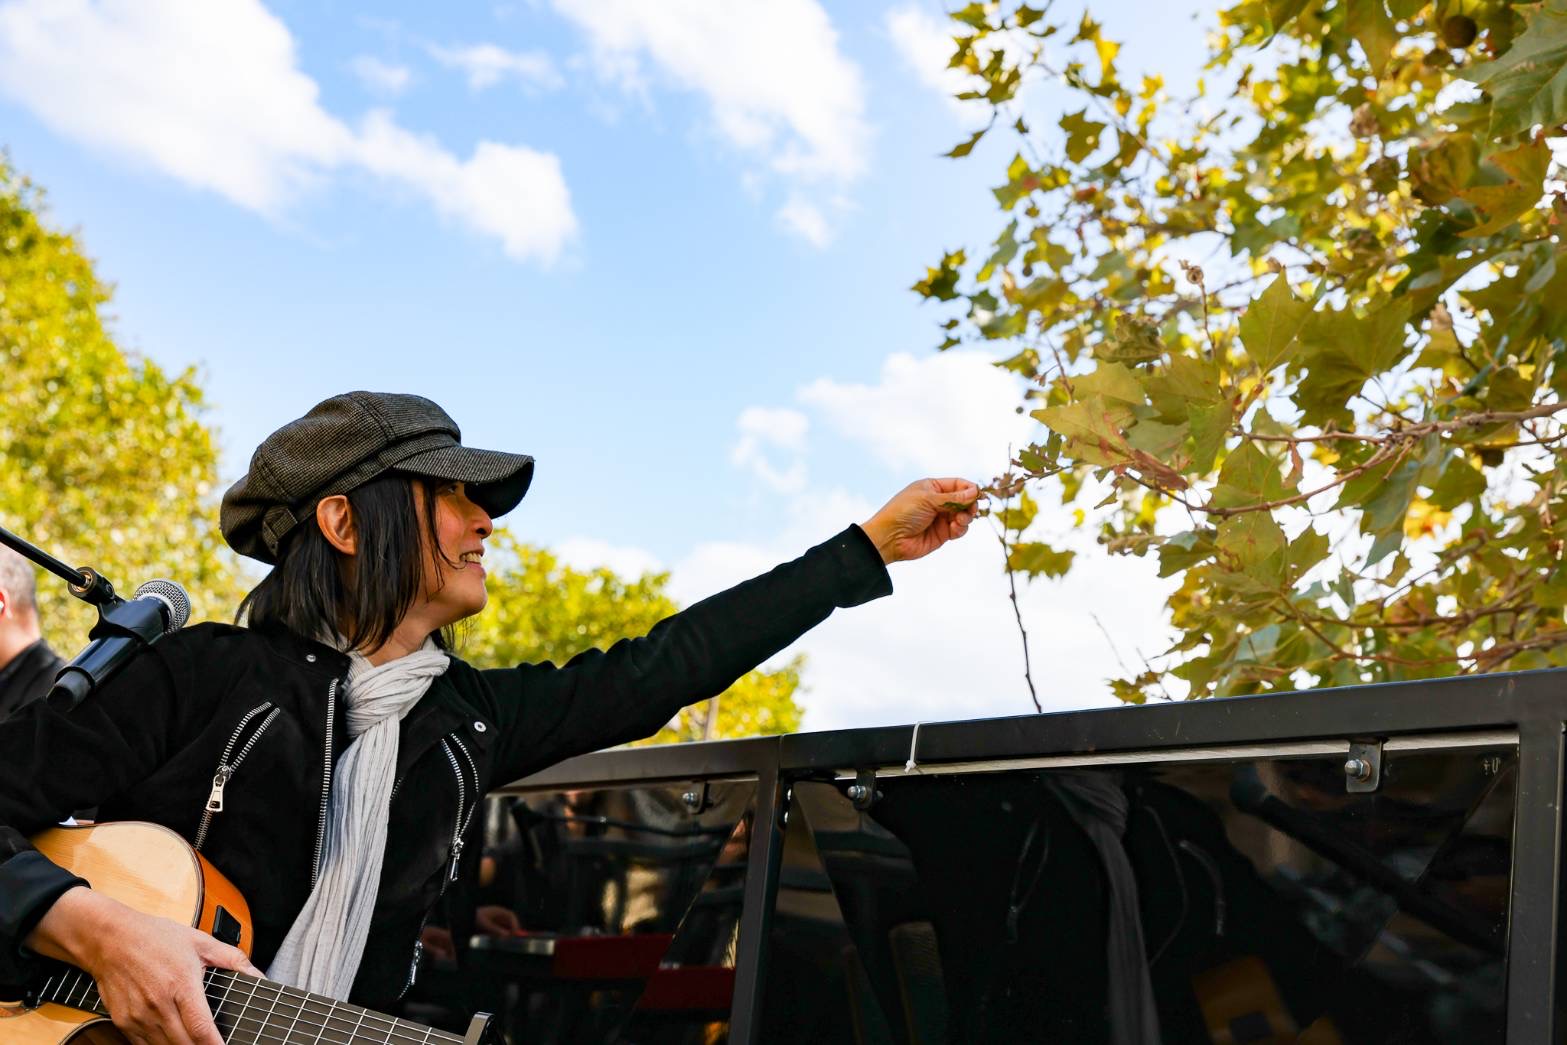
86, 583
137, 619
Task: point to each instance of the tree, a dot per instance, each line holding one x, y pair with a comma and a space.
107, 461
541, 609
1301, 335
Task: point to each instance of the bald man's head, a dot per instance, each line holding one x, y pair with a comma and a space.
19, 590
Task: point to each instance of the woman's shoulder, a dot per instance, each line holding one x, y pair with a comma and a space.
215, 644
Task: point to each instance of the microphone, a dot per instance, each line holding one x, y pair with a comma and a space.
124, 627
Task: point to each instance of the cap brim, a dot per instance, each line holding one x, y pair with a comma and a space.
496, 481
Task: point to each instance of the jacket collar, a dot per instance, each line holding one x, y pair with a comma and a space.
312, 657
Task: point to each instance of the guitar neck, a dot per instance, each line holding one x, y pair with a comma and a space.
252, 1011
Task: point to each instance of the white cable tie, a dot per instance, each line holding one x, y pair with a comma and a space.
911, 766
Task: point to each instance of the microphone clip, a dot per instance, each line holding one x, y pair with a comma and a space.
122, 624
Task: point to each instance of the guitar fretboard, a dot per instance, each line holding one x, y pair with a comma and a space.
251, 1011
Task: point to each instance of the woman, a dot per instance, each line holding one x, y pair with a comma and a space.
330, 756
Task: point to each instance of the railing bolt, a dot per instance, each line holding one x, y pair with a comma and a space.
1357, 769
858, 792
692, 799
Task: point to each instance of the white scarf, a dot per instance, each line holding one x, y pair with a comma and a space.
323, 947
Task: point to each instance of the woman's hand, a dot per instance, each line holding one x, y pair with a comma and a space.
149, 970
922, 517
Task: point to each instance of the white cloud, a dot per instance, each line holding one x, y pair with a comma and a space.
781, 429
210, 93
925, 43
806, 221
952, 413
777, 86
381, 77
513, 193
486, 65
589, 553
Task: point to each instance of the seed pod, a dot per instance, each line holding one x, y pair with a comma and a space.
1459, 31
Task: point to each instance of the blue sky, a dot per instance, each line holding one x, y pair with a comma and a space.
663, 246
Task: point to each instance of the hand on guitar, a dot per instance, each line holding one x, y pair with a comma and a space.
149, 970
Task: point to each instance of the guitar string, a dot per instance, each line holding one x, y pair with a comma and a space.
393, 1029
388, 1027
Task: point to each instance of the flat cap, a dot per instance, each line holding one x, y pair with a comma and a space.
346, 441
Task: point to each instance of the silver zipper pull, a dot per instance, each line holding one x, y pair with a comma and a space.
456, 859
219, 781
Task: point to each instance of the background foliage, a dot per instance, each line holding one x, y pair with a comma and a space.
108, 461
1298, 337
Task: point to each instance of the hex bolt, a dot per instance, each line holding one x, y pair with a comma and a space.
1357, 769
692, 799
858, 792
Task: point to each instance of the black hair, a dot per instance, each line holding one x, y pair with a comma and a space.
316, 591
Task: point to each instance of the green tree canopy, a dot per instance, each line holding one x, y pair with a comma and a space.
541, 609
1300, 335
107, 460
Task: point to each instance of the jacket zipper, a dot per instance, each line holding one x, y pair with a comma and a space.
464, 810
464, 818
228, 763
326, 782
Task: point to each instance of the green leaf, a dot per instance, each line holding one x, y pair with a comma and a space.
1340, 353
1209, 426
963, 148
1501, 205
1257, 543
1384, 511
1136, 339
1185, 550
1307, 549
1088, 425
1271, 323
1460, 481
1035, 558
973, 15
1372, 27
1082, 135
941, 282
1528, 81
1249, 476
1112, 381
1020, 517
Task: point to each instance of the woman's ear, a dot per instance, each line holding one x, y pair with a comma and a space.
336, 520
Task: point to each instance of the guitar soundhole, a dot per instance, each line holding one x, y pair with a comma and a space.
226, 928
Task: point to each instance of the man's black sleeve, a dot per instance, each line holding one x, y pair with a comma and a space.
54, 762
605, 697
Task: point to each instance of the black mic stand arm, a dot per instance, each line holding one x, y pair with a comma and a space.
138, 619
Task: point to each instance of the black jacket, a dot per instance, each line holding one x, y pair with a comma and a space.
148, 746
28, 676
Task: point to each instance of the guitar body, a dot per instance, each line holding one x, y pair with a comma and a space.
148, 868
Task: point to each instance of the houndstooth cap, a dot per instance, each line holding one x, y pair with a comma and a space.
346, 441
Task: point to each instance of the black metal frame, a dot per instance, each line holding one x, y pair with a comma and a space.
1534, 704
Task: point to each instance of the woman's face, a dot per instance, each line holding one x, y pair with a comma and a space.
453, 592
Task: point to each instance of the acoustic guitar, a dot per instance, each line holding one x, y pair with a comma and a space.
155, 871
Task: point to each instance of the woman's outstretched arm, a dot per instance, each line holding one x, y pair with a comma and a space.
606, 697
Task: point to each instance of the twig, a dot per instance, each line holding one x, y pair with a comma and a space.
1106, 633
1006, 564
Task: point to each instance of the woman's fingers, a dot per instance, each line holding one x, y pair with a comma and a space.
222, 956
197, 1017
